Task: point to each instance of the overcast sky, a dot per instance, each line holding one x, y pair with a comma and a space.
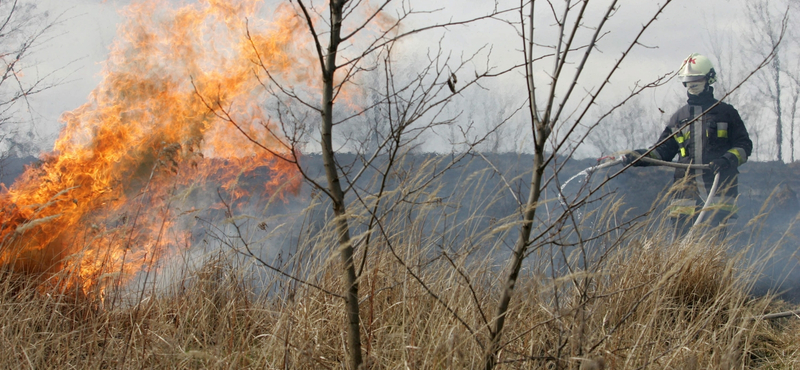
88, 28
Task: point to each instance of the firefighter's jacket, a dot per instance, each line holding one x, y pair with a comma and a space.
701, 138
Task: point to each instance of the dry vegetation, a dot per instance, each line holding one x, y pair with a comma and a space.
431, 268
425, 299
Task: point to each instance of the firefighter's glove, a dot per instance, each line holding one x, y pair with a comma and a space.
725, 162
634, 155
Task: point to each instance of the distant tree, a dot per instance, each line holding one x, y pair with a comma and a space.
767, 31
23, 28
632, 125
793, 110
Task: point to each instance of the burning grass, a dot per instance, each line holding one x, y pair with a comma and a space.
148, 135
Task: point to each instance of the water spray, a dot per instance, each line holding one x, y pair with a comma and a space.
610, 161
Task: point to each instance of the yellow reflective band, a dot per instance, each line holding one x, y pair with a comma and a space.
676, 211
737, 154
727, 207
682, 211
681, 139
722, 133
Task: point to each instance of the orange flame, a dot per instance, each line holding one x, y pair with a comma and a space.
98, 207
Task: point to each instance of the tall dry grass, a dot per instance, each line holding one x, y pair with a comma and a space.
430, 278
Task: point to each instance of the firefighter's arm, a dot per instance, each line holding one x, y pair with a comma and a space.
741, 145
661, 152
668, 149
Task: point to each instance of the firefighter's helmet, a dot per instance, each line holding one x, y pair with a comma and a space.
696, 67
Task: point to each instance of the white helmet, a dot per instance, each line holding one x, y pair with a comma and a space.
695, 68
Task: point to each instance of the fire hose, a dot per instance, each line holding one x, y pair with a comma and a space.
775, 316
613, 161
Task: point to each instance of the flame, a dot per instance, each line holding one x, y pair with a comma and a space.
98, 207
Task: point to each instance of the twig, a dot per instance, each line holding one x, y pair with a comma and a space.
777, 315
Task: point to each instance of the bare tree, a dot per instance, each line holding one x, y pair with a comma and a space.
768, 22
399, 110
23, 29
793, 110
557, 113
552, 129
404, 106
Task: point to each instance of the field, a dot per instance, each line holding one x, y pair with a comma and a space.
640, 302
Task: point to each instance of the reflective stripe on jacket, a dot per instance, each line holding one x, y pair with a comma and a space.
700, 138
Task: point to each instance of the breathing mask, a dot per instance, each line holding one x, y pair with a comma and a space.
695, 88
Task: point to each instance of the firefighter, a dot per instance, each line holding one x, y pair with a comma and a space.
704, 131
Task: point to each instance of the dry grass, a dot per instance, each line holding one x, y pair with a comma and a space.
427, 294
660, 306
